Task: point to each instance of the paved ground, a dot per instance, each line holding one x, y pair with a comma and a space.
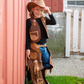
71, 66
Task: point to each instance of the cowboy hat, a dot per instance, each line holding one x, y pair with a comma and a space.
40, 3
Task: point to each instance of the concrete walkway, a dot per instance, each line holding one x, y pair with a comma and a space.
71, 66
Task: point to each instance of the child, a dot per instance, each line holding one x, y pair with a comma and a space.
37, 53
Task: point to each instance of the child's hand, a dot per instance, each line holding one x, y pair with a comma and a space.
47, 9
28, 53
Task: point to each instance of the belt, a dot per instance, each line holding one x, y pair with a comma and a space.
42, 45
35, 46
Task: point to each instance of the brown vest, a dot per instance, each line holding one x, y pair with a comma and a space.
34, 31
37, 76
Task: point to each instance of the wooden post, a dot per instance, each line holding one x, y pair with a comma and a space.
75, 31
68, 26
82, 33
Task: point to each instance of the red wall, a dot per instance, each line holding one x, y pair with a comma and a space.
12, 41
56, 5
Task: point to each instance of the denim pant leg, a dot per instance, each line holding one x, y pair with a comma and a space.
45, 57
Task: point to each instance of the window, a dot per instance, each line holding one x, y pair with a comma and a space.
75, 3
80, 2
30, 0
71, 2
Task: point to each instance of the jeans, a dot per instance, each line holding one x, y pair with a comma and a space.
45, 57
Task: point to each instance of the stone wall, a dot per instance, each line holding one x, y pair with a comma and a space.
56, 41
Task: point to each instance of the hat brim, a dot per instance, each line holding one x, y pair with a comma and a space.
30, 5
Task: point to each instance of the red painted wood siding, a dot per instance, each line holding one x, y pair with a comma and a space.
56, 5
48, 3
60, 7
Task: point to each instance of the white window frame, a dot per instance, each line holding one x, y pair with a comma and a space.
30, 0
74, 5
65, 5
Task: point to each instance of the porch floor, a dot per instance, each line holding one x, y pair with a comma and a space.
72, 66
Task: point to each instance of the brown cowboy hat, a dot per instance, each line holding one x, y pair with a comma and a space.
40, 3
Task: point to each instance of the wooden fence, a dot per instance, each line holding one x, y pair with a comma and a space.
74, 32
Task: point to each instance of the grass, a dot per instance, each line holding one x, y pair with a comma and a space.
63, 80
82, 58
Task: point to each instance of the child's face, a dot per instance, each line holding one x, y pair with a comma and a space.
38, 11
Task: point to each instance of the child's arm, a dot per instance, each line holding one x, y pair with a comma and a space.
28, 53
51, 20
47, 9
27, 40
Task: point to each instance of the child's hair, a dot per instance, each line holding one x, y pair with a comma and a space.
31, 14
